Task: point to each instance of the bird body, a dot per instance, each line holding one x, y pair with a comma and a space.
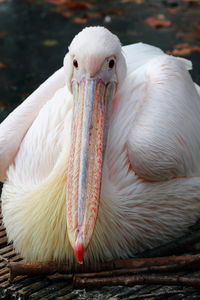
150, 180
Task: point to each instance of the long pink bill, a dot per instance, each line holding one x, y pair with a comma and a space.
85, 163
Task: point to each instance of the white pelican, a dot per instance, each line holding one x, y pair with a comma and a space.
103, 159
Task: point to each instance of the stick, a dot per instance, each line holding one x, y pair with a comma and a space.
80, 282
34, 268
147, 264
4, 259
154, 269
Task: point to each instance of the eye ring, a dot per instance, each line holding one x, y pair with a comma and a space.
111, 63
75, 63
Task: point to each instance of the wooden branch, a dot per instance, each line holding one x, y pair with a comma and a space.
4, 259
155, 269
127, 265
35, 268
80, 282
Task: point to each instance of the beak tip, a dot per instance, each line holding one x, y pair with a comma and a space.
79, 250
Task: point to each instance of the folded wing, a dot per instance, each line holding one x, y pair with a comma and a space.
15, 126
164, 140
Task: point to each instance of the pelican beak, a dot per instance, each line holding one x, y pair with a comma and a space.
84, 172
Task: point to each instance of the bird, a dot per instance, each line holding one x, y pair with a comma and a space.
102, 161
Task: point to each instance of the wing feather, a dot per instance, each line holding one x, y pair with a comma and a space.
164, 141
15, 126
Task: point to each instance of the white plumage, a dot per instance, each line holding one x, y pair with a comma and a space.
150, 191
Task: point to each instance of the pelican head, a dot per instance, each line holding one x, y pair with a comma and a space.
95, 67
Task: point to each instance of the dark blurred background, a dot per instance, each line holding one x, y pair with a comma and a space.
35, 34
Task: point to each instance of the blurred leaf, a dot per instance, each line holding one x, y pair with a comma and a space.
94, 14
2, 65
157, 21
66, 13
184, 49
173, 10
71, 4
3, 33
80, 20
66, 8
24, 95
57, 2
49, 43
2, 106
62, 10
197, 27
79, 5
133, 1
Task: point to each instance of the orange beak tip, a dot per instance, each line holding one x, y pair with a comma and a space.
79, 251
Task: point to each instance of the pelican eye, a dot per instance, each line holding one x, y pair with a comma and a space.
75, 63
111, 63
